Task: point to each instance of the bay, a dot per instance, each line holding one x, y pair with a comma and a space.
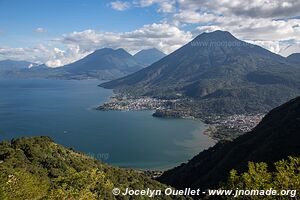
64, 110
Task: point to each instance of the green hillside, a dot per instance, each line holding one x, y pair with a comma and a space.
38, 168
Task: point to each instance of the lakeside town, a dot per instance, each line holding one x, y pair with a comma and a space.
220, 127
124, 103
230, 127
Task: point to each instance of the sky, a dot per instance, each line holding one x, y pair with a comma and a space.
58, 32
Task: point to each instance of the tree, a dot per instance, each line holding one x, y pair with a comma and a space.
286, 176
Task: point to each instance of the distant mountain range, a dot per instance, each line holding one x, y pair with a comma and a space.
106, 64
275, 138
149, 56
220, 73
12, 68
110, 64
13, 65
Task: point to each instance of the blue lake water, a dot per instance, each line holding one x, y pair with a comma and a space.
64, 110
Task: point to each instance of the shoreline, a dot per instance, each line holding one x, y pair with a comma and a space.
220, 127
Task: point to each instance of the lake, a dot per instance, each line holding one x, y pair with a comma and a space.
64, 110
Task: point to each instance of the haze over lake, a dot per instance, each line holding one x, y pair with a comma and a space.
64, 110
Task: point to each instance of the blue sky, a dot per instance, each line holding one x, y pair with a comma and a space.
57, 32
21, 18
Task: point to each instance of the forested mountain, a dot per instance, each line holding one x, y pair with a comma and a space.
221, 73
104, 63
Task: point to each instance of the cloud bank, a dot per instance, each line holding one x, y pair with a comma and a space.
163, 36
273, 24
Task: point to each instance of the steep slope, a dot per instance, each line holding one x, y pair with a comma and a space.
220, 72
294, 58
37, 168
149, 56
275, 138
104, 64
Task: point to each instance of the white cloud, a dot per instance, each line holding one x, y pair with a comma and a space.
40, 30
190, 16
53, 57
165, 6
162, 36
270, 34
263, 22
61, 57
268, 23
33, 54
272, 24
289, 49
249, 8
120, 5
76, 45
273, 46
